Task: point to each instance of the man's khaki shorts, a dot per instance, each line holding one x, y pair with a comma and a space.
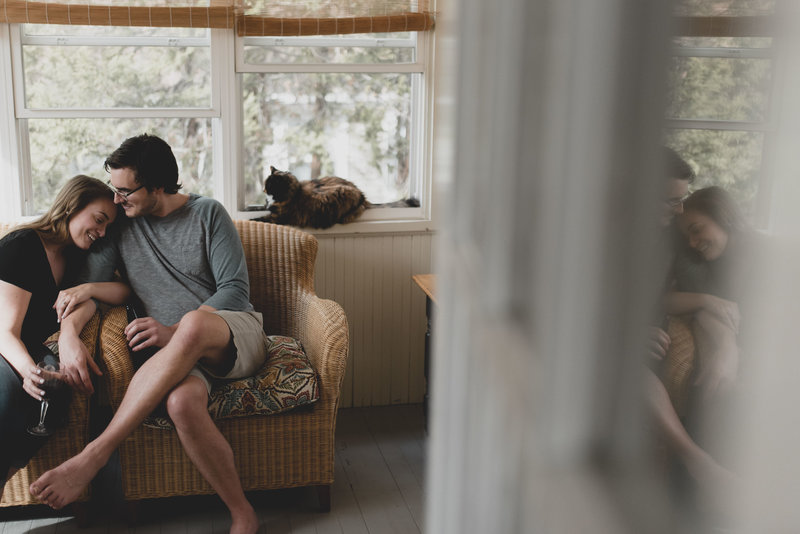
249, 340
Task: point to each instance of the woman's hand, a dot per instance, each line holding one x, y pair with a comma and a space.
32, 380
69, 299
114, 293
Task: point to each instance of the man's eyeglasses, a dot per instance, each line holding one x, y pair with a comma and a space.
121, 192
675, 202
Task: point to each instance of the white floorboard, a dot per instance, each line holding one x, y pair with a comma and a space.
379, 488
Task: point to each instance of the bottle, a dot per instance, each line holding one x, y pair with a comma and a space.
138, 357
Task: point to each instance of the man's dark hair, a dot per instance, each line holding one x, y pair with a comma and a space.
675, 167
151, 160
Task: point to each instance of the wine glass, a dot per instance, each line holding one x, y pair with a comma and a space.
53, 379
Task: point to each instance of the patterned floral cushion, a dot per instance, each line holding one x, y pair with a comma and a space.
286, 381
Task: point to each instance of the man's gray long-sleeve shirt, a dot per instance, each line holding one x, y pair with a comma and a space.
174, 264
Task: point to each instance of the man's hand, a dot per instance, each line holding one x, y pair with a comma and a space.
147, 332
76, 362
658, 343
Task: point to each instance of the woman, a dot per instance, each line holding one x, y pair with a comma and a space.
709, 277
38, 260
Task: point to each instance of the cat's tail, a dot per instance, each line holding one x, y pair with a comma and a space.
404, 203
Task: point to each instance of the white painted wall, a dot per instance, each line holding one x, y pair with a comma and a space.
370, 276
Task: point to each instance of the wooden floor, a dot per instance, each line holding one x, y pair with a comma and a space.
380, 460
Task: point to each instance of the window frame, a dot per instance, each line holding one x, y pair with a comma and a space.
766, 127
421, 125
225, 113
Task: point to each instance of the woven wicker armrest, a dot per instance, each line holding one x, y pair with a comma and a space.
114, 356
65, 443
679, 362
323, 331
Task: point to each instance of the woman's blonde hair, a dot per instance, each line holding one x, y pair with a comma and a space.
77, 193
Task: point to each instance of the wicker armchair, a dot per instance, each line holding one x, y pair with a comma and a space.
64, 444
679, 363
271, 451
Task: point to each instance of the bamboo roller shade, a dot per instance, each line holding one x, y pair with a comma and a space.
752, 26
214, 16
328, 17
250, 21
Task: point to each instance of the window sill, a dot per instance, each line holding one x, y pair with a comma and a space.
371, 222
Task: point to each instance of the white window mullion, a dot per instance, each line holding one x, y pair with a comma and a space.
707, 124
333, 67
226, 130
52, 40
26, 181
10, 205
145, 113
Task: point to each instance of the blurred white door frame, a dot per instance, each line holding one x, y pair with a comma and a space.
548, 126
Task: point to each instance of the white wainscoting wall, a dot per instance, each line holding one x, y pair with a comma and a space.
370, 276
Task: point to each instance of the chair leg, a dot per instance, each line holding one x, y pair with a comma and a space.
131, 512
324, 498
81, 512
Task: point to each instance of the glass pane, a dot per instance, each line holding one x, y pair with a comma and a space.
727, 8
116, 76
723, 42
111, 31
719, 88
725, 158
62, 148
355, 126
261, 54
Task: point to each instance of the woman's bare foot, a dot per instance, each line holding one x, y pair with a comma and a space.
64, 484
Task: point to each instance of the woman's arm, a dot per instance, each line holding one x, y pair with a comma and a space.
682, 303
14, 302
114, 293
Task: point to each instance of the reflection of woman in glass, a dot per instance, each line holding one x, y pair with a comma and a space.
37, 261
710, 282
708, 286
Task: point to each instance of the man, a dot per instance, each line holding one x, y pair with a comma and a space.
703, 468
183, 258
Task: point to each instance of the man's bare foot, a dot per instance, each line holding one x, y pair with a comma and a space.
717, 488
64, 484
244, 523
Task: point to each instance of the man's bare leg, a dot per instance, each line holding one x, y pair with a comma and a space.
698, 462
199, 334
209, 450
717, 352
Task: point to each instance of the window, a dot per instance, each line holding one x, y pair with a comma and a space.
231, 107
719, 113
348, 106
81, 90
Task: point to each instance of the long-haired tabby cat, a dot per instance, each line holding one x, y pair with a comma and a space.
318, 203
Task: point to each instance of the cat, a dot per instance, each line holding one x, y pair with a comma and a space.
318, 203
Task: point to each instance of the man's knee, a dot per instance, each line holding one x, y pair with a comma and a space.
187, 401
203, 330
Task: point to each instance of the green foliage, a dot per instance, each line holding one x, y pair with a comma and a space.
721, 89
62, 148
316, 124
312, 124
